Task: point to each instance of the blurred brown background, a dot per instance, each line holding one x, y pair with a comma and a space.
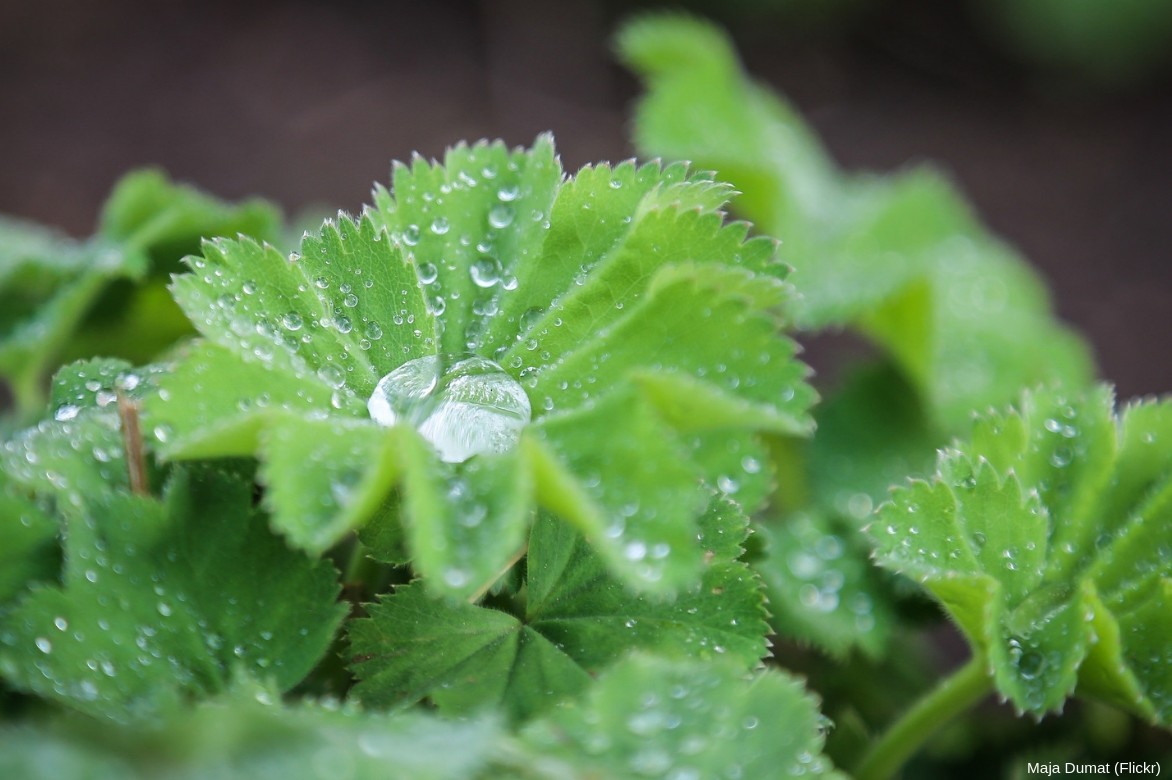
307, 102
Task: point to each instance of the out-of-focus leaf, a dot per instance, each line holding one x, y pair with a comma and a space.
650, 717
901, 258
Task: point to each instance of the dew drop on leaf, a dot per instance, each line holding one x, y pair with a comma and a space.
471, 407
485, 272
428, 273
500, 216
1031, 665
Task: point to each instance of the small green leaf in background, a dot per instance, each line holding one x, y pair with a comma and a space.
63, 299
822, 588
650, 717
1046, 537
621, 308
164, 599
47, 284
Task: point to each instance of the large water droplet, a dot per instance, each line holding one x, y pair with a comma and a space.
464, 408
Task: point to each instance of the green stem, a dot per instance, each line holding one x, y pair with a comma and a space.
361, 570
963, 689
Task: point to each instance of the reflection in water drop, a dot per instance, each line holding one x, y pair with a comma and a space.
464, 408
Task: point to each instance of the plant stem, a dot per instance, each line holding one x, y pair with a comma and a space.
955, 694
132, 445
361, 570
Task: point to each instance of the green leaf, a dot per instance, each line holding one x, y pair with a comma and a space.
700, 107
64, 298
466, 657
675, 341
735, 463
325, 477
575, 620
293, 314
594, 619
167, 220
212, 403
28, 544
466, 522
47, 284
872, 432
630, 492
901, 259
650, 717
79, 454
471, 225
243, 734
822, 588
69, 459
1046, 538
163, 599
635, 322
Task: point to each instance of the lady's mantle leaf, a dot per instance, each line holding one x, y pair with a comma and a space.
161, 599
651, 717
1047, 537
465, 522
627, 315
576, 620
465, 657
50, 285
265, 741
901, 259
77, 454
343, 312
28, 543
822, 589
47, 285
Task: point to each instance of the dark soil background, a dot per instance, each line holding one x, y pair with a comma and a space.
307, 102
